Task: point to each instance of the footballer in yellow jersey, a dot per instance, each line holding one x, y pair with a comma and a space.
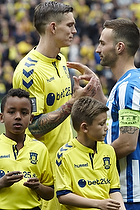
31, 161
49, 88
84, 173
44, 74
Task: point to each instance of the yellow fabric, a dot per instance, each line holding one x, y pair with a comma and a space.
77, 174
49, 88
33, 161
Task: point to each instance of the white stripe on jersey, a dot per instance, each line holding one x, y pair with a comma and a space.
136, 180
122, 90
136, 98
123, 182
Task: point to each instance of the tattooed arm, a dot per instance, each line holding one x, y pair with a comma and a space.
126, 142
48, 121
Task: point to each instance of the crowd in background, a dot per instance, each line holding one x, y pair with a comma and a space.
18, 36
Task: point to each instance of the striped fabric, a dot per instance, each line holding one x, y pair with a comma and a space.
126, 95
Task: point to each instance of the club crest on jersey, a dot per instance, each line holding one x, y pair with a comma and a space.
33, 157
106, 162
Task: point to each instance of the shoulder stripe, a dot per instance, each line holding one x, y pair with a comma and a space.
27, 85
29, 59
27, 74
29, 64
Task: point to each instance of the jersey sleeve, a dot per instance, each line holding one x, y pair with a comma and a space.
26, 77
114, 175
129, 96
63, 179
46, 168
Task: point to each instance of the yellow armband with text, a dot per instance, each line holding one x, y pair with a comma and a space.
128, 117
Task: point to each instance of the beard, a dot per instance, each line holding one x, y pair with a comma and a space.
109, 59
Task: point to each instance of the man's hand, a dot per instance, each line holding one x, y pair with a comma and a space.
89, 90
95, 89
87, 73
10, 178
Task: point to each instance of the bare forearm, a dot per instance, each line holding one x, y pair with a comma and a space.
101, 97
118, 197
51, 120
78, 201
126, 142
45, 192
82, 202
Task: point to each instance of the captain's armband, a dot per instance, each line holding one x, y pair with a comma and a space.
128, 117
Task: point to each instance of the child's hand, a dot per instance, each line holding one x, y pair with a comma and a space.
109, 204
32, 183
10, 178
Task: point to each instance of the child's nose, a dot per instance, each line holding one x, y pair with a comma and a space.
18, 115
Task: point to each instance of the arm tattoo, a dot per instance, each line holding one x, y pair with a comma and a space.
129, 129
47, 122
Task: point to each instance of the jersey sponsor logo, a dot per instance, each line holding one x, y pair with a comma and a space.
26, 174
33, 157
51, 97
106, 162
81, 165
82, 182
5, 156
2, 173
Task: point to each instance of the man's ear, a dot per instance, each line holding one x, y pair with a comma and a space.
84, 127
53, 27
31, 118
1, 118
120, 46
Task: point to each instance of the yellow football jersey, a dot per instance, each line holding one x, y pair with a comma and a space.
48, 82
84, 173
33, 161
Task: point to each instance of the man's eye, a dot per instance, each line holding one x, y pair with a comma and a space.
70, 25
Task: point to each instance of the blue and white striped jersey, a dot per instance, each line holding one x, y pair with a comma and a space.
126, 95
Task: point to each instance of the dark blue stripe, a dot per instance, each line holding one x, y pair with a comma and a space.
63, 192
29, 73
114, 190
27, 85
29, 59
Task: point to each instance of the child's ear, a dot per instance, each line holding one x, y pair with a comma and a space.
31, 118
1, 118
84, 127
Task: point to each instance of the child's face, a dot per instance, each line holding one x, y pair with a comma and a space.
97, 131
16, 116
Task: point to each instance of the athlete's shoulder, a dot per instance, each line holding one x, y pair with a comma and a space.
35, 142
106, 147
1, 137
65, 149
